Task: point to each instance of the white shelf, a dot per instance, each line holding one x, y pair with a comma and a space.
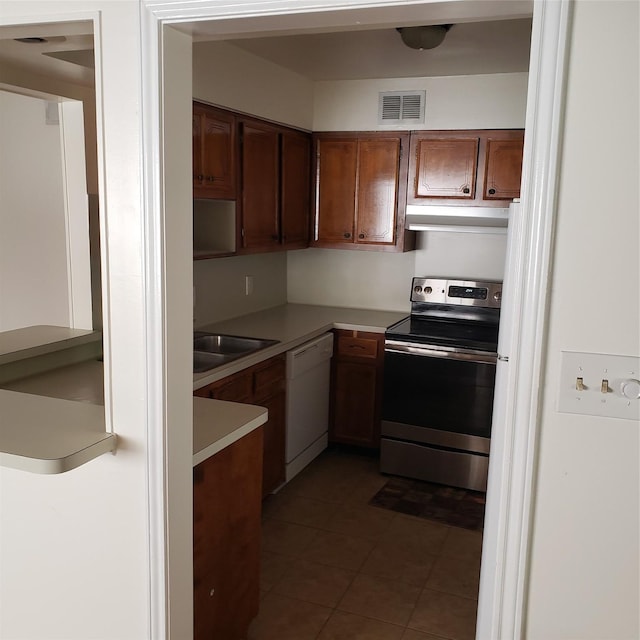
20, 344
50, 435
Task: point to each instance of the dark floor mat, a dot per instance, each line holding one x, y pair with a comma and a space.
447, 505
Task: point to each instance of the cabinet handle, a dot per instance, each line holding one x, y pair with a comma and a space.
492, 191
210, 178
200, 177
361, 236
347, 235
466, 190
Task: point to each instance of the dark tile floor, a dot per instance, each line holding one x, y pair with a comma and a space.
336, 568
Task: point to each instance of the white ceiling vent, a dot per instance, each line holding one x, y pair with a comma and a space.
401, 107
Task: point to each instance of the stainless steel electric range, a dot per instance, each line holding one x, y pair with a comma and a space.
439, 376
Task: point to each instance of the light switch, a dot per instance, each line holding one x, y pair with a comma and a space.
600, 384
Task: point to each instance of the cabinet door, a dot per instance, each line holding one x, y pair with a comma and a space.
260, 186
336, 166
214, 153
295, 188
273, 470
378, 165
355, 419
445, 168
226, 539
234, 388
503, 168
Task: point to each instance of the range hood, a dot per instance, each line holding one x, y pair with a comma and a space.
458, 219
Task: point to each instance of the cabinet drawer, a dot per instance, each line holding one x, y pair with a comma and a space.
236, 388
357, 347
268, 379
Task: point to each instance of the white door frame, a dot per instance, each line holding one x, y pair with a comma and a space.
502, 597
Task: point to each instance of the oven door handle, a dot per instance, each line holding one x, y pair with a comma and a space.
451, 354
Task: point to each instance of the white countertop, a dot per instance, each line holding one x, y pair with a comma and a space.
54, 421
37, 340
291, 325
50, 435
60, 424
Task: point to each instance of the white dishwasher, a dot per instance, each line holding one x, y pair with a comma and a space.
308, 380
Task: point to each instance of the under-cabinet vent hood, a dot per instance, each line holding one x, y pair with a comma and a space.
459, 219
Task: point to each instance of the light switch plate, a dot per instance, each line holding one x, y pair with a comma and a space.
593, 384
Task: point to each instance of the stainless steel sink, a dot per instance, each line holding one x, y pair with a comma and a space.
211, 350
204, 361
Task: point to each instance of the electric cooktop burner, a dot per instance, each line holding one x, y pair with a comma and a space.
451, 313
447, 333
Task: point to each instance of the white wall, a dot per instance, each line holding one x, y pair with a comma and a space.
360, 279
231, 77
460, 102
220, 286
34, 279
74, 548
585, 561
316, 276
492, 101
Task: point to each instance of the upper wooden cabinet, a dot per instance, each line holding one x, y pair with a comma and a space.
295, 193
275, 186
359, 191
260, 179
214, 152
503, 168
476, 168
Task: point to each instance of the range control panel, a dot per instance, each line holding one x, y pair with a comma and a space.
463, 292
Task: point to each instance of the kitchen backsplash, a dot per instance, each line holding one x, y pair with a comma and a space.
329, 277
220, 286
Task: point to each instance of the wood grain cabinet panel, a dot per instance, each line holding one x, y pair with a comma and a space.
275, 183
479, 168
446, 168
356, 388
359, 191
226, 539
503, 168
214, 152
378, 178
260, 185
336, 175
295, 179
263, 384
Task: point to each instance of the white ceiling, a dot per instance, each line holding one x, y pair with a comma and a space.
468, 48
66, 55
488, 36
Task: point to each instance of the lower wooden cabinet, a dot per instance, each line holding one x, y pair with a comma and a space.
356, 388
227, 491
264, 385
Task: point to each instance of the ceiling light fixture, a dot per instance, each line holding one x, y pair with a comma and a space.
426, 37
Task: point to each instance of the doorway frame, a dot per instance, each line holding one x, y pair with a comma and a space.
511, 492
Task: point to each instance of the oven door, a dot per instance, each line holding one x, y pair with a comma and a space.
438, 395
436, 414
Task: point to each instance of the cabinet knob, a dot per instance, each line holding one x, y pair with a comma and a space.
200, 177
492, 191
210, 178
347, 235
466, 190
361, 236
